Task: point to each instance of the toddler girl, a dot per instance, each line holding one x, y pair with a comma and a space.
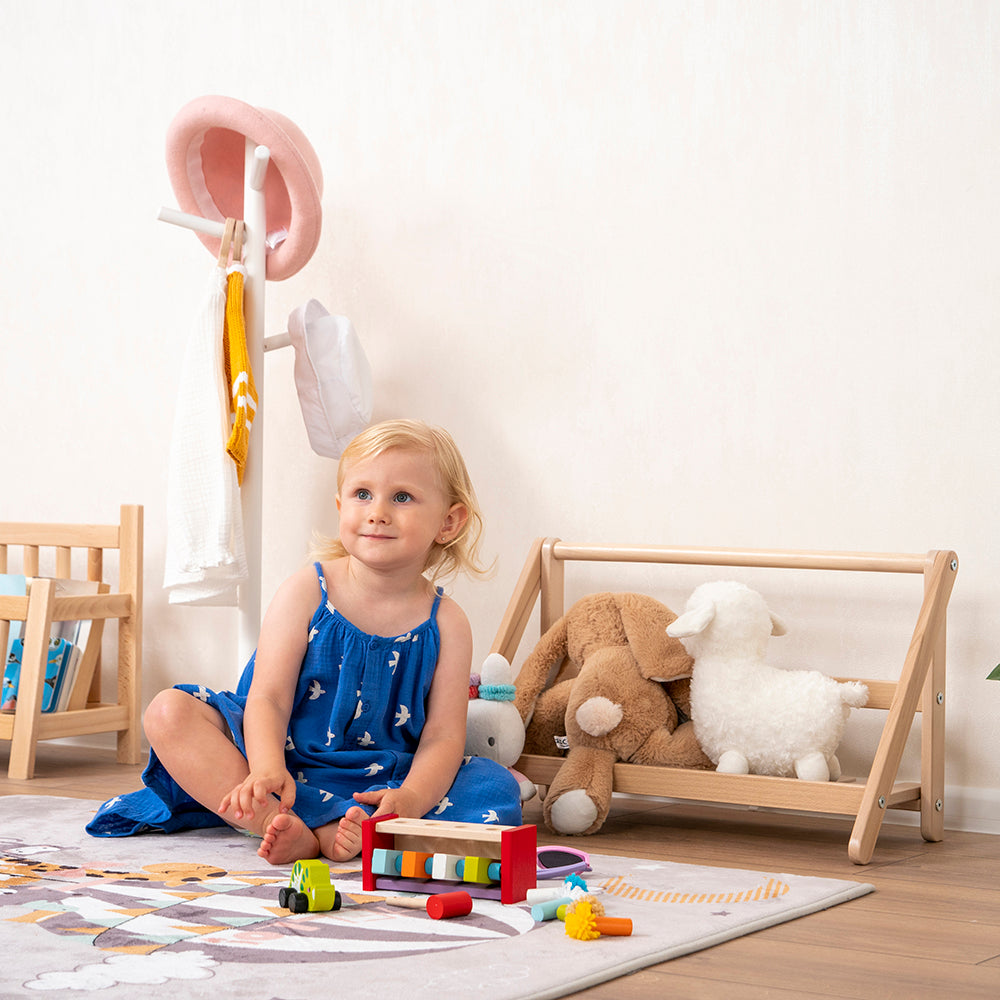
355, 699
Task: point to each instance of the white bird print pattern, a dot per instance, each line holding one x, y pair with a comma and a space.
366, 740
315, 690
402, 716
445, 803
491, 817
373, 769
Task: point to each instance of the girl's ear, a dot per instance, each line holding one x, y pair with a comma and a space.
453, 522
337, 498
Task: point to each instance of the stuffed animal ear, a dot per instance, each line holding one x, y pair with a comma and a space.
645, 621
496, 670
692, 622
778, 627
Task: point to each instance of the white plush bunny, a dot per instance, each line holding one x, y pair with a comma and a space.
750, 717
495, 729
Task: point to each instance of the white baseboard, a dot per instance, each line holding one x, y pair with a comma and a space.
970, 810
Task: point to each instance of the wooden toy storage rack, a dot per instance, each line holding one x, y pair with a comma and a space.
919, 688
88, 713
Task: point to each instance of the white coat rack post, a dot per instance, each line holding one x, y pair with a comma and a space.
255, 262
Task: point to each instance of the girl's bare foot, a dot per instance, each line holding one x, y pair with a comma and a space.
341, 841
288, 839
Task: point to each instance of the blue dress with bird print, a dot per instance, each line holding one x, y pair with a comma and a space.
355, 725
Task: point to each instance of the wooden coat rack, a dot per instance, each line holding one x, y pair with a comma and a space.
254, 260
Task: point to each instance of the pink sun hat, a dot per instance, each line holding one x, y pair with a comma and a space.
206, 149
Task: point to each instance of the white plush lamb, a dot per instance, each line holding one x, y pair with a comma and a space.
750, 717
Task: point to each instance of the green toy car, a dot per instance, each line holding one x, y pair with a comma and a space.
309, 889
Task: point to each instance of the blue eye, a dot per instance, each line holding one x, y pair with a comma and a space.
363, 495
402, 497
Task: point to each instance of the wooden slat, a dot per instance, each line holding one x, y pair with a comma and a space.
14, 609
93, 719
932, 748
64, 562
552, 601
873, 562
37, 628
90, 657
518, 612
880, 693
101, 536
842, 797
401, 826
76, 606
95, 564
30, 560
130, 749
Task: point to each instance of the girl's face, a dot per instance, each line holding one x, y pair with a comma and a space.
393, 509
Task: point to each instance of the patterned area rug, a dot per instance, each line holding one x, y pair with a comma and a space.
196, 915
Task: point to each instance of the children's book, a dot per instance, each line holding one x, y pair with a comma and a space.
57, 660
73, 646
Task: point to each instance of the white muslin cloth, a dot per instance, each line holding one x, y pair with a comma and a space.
205, 555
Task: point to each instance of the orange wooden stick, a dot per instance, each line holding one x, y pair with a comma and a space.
620, 926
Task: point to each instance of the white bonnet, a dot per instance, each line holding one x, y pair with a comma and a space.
332, 377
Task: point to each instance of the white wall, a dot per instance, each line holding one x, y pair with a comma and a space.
700, 273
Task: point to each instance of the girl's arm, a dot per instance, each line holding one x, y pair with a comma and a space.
442, 741
280, 650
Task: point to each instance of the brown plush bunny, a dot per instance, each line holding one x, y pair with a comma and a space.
616, 699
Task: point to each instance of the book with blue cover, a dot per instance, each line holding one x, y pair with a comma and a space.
60, 651
66, 646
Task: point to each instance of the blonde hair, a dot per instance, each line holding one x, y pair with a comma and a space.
461, 553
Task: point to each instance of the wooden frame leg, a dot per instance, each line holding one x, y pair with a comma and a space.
130, 635
932, 746
31, 685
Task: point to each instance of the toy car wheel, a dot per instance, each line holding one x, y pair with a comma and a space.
299, 903
284, 894
337, 900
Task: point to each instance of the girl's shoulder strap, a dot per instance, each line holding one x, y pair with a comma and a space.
322, 578
438, 594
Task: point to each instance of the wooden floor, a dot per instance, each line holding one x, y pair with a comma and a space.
930, 930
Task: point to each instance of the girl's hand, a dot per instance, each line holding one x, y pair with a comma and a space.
400, 801
255, 791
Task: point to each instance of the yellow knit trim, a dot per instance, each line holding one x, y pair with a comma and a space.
239, 377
